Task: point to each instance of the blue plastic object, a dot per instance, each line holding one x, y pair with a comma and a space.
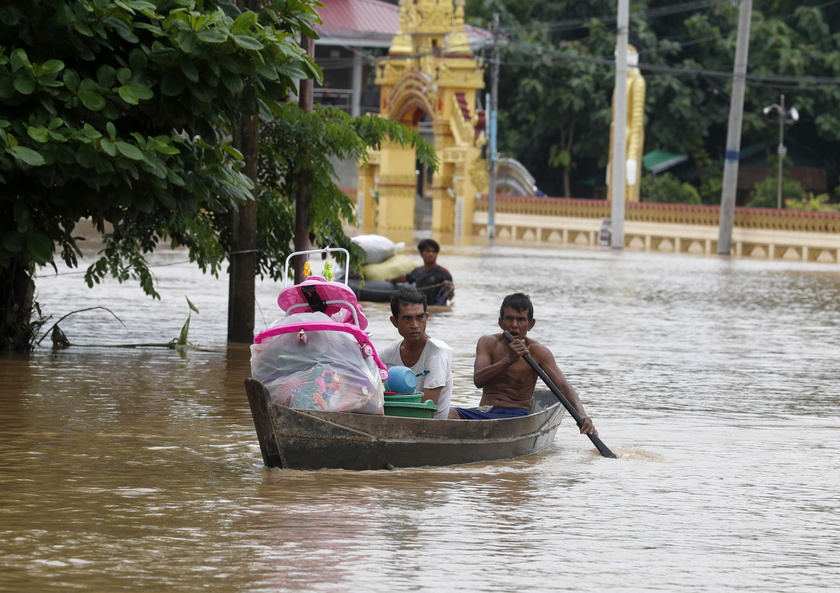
401, 380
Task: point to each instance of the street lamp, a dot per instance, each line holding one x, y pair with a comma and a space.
786, 117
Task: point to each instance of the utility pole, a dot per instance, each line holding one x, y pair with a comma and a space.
733, 134
620, 126
786, 116
243, 239
781, 151
494, 105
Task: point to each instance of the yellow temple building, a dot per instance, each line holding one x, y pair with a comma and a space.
429, 78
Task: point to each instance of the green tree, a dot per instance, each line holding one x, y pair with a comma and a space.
710, 174
296, 150
557, 89
686, 55
122, 112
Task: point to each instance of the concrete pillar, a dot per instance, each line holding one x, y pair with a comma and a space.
356, 95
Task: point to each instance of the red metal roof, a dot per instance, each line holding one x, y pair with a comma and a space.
366, 23
358, 20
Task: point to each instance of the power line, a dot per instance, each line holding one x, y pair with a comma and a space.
608, 19
777, 78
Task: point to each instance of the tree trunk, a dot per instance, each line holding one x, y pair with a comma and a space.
243, 242
17, 294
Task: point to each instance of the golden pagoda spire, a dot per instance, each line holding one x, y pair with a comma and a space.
401, 43
458, 41
459, 16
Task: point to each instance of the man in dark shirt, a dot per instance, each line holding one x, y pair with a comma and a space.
432, 280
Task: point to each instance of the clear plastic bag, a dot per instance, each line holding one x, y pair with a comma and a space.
308, 361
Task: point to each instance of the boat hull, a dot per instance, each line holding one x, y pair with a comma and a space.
309, 440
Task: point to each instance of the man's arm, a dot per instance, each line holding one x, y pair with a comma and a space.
484, 370
432, 393
449, 285
543, 357
439, 374
407, 277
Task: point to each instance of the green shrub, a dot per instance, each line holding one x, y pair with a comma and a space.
764, 194
812, 202
667, 188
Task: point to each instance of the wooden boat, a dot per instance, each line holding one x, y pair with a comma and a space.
309, 425
309, 440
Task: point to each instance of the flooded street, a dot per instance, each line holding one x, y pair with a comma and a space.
714, 380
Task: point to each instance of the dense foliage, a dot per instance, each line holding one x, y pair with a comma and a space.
765, 193
295, 151
557, 75
811, 202
667, 188
122, 111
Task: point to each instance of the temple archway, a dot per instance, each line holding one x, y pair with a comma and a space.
430, 76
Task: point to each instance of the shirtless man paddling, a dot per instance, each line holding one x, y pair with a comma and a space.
507, 381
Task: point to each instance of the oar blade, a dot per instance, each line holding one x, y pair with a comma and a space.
602, 448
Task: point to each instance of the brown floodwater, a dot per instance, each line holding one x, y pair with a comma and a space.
714, 380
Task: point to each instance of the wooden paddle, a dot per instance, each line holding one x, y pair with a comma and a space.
599, 444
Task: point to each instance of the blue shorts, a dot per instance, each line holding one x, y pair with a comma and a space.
492, 414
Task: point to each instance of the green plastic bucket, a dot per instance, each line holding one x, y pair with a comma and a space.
403, 397
426, 409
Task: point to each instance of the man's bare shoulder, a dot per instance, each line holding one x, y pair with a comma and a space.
489, 341
538, 351
492, 337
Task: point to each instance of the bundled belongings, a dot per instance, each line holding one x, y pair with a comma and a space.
318, 357
308, 361
378, 248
